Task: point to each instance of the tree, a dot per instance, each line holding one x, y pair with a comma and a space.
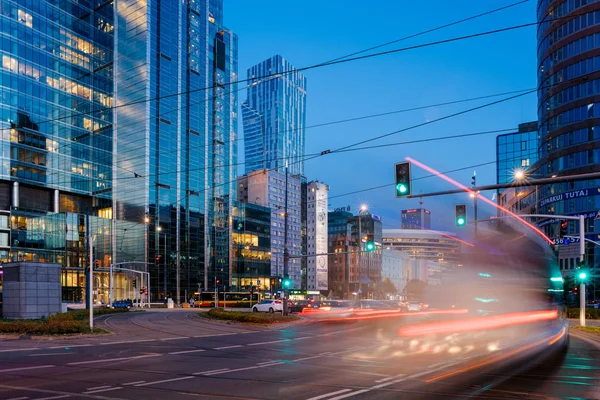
388, 287
416, 289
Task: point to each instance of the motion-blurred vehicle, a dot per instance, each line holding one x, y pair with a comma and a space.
413, 306
268, 306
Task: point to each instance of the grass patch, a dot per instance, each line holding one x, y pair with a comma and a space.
247, 317
588, 329
71, 322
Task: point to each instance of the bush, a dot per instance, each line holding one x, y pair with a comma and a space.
58, 324
247, 317
590, 313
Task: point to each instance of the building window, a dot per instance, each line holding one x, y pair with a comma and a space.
523, 145
3, 239
3, 221
525, 162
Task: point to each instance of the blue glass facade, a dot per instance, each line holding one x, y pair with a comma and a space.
516, 151
274, 116
569, 117
176, 153
56, 142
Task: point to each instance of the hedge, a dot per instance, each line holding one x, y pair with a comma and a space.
247, 317
57, 324
590, 313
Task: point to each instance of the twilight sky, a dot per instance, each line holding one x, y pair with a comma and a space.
313, 31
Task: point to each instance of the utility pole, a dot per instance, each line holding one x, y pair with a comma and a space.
582, 261
286, 255
475, 193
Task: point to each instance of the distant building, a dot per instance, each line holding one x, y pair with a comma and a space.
396, 266
516, 151
343, 265
436, 251
368, 227
251, 243
267, 188
316, 234
274, 116
416, 218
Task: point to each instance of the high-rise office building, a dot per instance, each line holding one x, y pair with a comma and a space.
416, 218
274, 116
56, 84
569, 119
175, 147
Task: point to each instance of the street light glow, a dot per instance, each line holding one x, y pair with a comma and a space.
519, 174
363, 207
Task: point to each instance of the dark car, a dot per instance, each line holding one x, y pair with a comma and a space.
122, 304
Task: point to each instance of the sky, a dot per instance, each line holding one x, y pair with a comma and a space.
310, 32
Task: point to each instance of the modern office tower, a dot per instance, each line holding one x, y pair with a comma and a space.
344, 255
56, 84
274, 116
175, 138
569, 120
416, 218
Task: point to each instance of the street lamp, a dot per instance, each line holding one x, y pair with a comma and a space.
159, 230
519, 175
363, 208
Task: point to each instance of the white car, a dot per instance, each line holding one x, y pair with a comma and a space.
268, 306
414, 306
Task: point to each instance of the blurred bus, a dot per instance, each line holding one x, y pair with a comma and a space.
227, 299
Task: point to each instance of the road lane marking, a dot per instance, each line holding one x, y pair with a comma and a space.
242, 369
109, 389
54, 397
266, 362
48, 354
181, 378
187, 351
113, 359
272, 341
208, 372
127, 342
26, 368
132, 383
176, 338
330, 394
19, 398
219, 334
99, 387
69, 347
384, 379
228, 347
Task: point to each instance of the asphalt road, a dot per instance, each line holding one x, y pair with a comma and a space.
154, 356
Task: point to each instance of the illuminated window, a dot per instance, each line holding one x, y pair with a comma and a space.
525, 162
25, 18
9, 63
105, 213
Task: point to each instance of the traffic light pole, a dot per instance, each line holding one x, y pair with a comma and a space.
286, 255
582, 304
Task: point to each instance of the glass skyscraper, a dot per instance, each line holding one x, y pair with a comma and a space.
274, 116
175, 155
56, 146
569, 119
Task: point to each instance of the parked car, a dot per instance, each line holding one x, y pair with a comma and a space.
268, 306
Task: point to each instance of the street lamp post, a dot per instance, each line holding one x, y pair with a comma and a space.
363, 208
159, 229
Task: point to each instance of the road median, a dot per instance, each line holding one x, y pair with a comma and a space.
248, 317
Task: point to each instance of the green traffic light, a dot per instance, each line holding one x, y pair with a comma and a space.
287, 283
460, 221
401, 188
370, 246
582, 275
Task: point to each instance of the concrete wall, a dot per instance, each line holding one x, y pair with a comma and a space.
31, 290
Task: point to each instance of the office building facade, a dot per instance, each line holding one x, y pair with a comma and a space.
56, 85
268, 188
174, 159
516, 151
367, 227
416, 218
251, 241
316, 236
274, 117
343, 257
569, 119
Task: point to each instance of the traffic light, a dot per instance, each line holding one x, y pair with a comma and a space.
287, 283
582, 276
403, 179
564, 226
134, 283
474, 181
370, 246
460, 214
